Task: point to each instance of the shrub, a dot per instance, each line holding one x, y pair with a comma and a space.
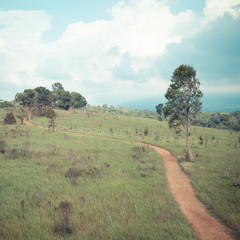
49, 113
146, 131
10, 119
200, 140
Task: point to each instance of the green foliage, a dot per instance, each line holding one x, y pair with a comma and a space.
49, 113
122, 111
183, 97
146, 131
26, 98
9, 119
200, 140
219, 120
40, 97
57, 92
77, 100
6, 104
159, 108
43, 98
65, 101
183, 100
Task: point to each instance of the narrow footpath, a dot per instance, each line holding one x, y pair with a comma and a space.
205, 226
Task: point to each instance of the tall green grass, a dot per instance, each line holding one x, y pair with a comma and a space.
65, 186
215, 173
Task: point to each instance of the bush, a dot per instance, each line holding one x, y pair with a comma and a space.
10, 119
146, 131
200, 140
49, 113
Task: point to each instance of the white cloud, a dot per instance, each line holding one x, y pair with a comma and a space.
223, 86
21, 44
218, 8
85, 56
145, 28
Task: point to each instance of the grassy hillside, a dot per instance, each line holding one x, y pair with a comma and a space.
55, 185
87, 180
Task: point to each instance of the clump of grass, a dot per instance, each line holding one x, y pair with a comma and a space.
62, 224
2, 147
75, 172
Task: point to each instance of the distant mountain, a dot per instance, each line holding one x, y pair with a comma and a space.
211, 103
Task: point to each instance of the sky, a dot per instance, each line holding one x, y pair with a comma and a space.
115, 51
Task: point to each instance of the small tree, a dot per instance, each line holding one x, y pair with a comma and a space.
49, 113
27, 99
183, 100
159, 109
146, 131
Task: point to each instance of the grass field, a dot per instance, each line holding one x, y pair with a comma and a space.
87, 180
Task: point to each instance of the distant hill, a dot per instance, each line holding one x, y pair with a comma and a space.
211, 103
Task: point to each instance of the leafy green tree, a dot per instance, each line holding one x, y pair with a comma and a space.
43, 98
49, 113
183, 100
77, 100
65, 101
57, 93
27, 99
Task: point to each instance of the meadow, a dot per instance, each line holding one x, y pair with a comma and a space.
88, 180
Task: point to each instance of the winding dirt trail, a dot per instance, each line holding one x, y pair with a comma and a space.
205, 226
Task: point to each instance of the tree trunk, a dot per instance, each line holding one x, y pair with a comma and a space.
187, 138
29, 113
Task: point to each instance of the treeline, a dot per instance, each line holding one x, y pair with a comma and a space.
39, 98
122, 110
230, 121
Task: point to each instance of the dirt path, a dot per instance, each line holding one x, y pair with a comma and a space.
205, 226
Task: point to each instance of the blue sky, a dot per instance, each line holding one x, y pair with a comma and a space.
118, 51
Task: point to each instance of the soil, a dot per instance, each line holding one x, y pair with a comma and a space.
205, 226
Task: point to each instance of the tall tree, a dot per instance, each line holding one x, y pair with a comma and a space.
183, 100
27, 99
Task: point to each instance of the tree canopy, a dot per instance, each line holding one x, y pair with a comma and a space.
40, 97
